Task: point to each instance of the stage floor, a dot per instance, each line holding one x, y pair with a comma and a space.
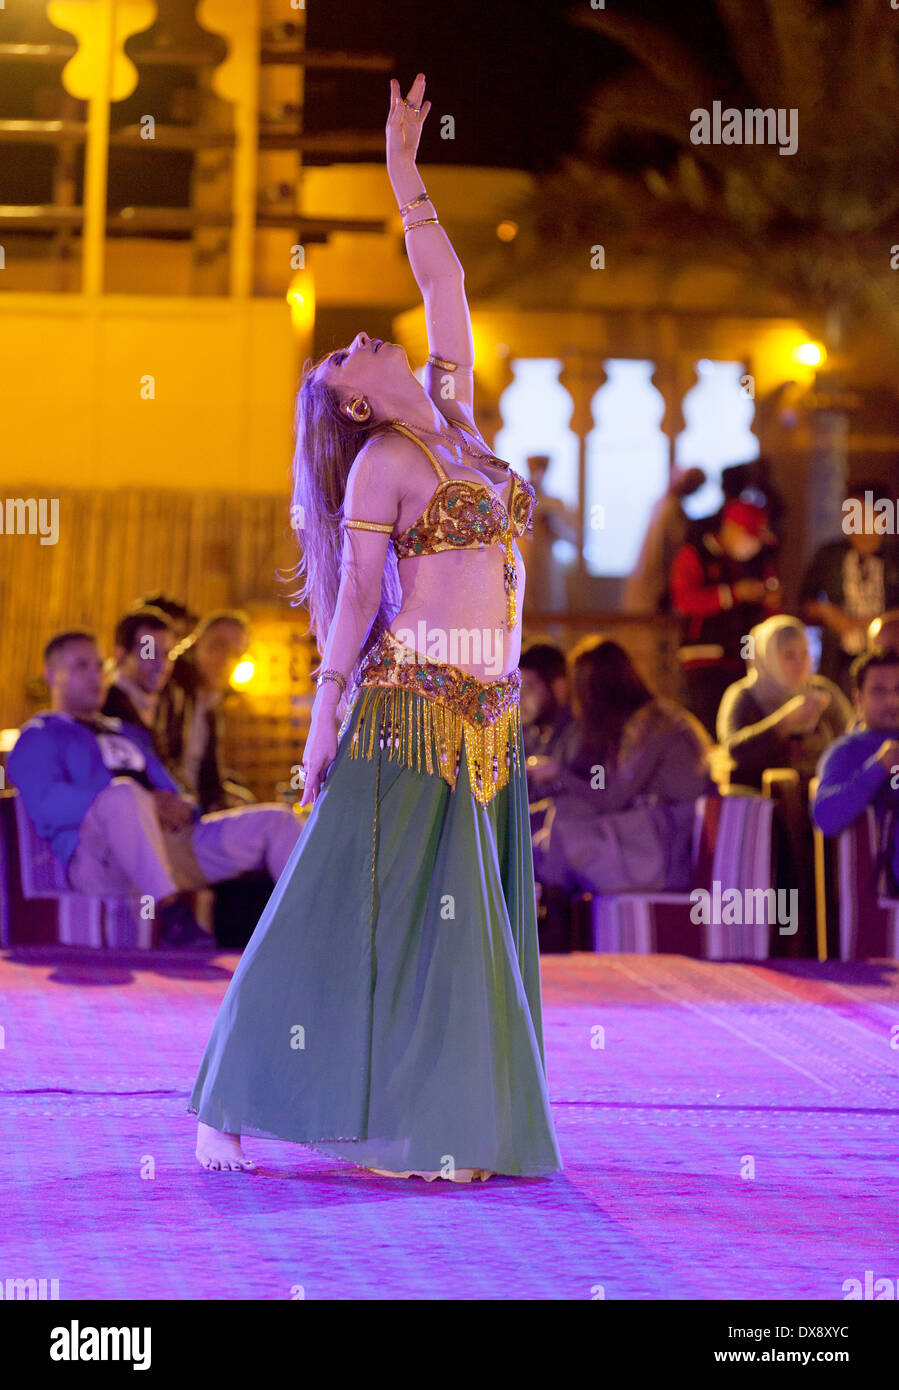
735, 1136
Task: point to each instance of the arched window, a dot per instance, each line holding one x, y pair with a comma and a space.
535, 409
627, 457
718, 414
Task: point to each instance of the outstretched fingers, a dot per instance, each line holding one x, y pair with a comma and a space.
400, 105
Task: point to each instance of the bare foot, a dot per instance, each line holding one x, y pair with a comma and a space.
221, 1152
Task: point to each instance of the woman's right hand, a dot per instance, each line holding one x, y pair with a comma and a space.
801, 714
318, 754
403, 125
749, 590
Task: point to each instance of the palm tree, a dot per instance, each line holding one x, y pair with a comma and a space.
814, 228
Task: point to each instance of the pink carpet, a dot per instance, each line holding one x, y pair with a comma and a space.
735, 1136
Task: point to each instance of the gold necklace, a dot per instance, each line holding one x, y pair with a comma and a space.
459, 443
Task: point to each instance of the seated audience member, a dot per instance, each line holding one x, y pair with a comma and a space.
180, 616
780, 714
96, 790
722, 583
143, 641
623, 789
848, 582
860, 769
884, 631
189, 721
545, 711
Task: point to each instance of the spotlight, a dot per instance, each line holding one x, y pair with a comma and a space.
809, 354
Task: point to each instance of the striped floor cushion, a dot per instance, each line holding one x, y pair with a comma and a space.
732, 865
868, 917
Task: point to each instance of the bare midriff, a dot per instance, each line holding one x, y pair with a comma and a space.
454, 603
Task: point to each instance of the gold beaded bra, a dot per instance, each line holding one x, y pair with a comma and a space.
463, 515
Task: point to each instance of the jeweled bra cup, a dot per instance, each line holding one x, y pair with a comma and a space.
463, 515
419, 709
457, 514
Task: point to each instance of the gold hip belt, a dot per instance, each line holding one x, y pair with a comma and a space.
419, 709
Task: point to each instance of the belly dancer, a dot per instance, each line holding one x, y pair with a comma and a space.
387, 1009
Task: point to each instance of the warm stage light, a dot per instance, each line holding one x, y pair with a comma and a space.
301, 299
809, 354
507, 231
243, 672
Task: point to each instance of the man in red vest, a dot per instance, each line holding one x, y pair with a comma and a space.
723, 582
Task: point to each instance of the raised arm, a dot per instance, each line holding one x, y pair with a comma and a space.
437, 269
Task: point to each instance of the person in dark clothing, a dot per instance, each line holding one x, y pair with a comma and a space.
189, 718
752, 482
848, 582
722, 584
545, 711
861, 769
142, 666
624, 788
182, 619
144, 639
780, 714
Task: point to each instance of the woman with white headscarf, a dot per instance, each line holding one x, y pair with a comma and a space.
780, 714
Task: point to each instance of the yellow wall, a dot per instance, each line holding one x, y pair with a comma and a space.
71, 378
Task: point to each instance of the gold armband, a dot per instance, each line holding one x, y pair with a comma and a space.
386, 526
443, 363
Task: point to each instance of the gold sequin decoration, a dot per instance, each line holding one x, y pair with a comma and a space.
419, 711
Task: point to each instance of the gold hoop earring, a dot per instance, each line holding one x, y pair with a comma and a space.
358, 410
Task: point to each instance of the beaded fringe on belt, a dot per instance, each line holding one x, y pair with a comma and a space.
426, 735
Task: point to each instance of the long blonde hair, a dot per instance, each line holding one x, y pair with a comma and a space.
326, 445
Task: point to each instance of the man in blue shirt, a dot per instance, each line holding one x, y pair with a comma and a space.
862, 768
94, 787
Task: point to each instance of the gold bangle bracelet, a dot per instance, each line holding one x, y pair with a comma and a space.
331, 675
424, 221
422, 198
442, 363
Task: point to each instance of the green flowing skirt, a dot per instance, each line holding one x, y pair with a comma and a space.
387, 1008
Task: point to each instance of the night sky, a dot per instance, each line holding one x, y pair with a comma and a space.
512, 74
515, 74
